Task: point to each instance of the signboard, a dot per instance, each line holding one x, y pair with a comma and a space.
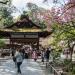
24, 35
17, 36
31, 36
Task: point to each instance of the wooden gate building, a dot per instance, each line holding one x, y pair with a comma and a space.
24, 32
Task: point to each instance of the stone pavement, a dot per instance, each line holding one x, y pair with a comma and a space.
28, 67
43, 67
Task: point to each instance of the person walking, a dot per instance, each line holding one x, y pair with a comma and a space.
42, 55
13, 55
47, 54
34, 55
19, 60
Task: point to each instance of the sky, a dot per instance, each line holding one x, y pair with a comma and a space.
21, 5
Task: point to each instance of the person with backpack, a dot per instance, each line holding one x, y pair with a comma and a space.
19, 59
13, 55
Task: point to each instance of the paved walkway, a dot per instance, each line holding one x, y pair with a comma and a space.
43, 67
28, 67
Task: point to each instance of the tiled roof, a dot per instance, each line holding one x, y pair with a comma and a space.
24, 23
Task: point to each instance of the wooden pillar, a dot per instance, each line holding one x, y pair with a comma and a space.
10, 42
38, 43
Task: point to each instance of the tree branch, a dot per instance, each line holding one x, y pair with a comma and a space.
4, 2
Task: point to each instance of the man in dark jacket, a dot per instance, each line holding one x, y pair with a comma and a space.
13, 55
47, 53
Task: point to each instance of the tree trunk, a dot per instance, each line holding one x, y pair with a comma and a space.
70, 49
71, 52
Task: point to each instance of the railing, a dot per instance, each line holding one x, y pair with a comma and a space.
55, 71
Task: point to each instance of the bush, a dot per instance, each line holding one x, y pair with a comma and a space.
73, 71
66, 61
2, 43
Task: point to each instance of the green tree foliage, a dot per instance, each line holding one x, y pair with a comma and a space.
5, 15
33, 8
42, 25
7, 19
24, 14
4, 1
64, 32
2, 43
33, 14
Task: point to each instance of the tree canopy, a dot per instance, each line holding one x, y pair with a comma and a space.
5, 13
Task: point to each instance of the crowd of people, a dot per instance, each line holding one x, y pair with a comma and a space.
20, 54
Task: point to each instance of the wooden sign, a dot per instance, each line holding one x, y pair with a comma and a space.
24, 35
